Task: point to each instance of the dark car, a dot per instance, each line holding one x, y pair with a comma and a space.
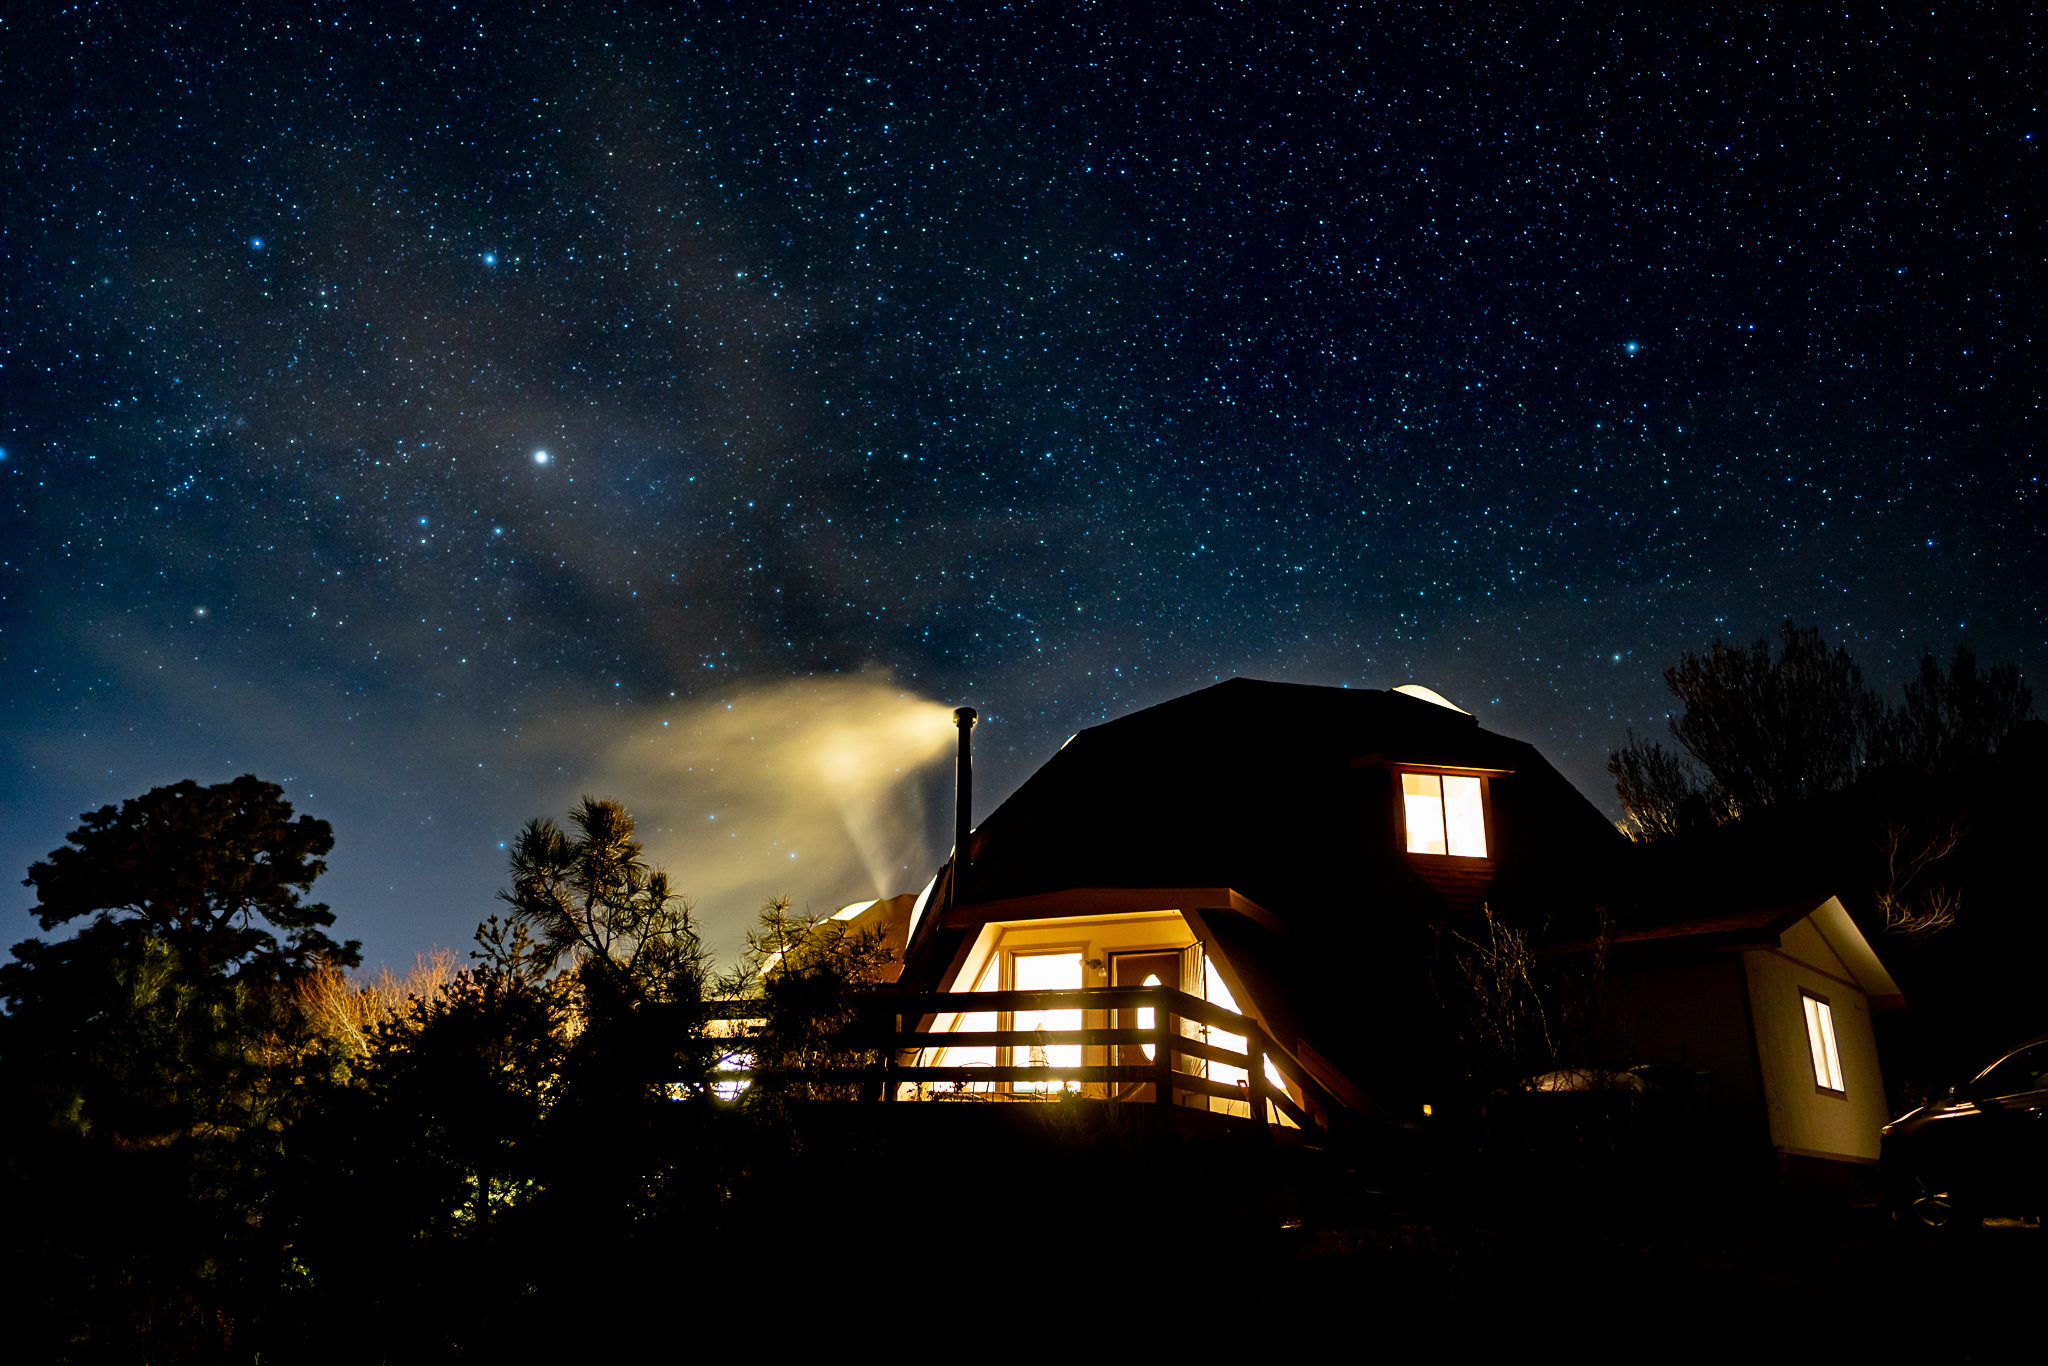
1983, 1149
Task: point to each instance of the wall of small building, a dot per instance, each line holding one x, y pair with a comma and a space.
1805, 1120
1688, 1011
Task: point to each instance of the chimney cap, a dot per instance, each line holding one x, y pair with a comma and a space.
963, 716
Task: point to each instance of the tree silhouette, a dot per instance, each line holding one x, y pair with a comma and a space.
1950, 717
592, 900
1661, 792
1773, 729
152, 1061
210, 871
1760, 729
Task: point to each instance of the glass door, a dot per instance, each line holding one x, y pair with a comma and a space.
1059, 971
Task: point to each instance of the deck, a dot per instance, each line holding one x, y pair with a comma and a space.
1175, 1052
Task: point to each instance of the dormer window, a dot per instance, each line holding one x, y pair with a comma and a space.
1446, 813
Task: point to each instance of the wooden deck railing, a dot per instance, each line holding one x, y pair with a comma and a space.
900, 1029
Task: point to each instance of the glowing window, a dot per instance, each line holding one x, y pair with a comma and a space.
1147, 1019
1446, 814
1820, 1039
1045, 972
1219, 993
975, 1022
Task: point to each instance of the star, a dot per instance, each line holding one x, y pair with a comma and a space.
1077, 390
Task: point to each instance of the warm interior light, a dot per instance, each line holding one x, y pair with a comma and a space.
1148, 1020
1820, 1038
1046, 972
978, 1022
1426, 1111
1219, 993
1446, 814
1422, 794
1464, 816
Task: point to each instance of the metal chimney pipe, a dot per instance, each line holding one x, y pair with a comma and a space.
963, 799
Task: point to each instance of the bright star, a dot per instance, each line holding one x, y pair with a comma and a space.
540, 457
490, 259
256, 242
1631, 347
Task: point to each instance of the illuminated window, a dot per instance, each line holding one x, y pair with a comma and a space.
1446, 814
1148, 1019
1820, 1039
1045, 972
1219, 993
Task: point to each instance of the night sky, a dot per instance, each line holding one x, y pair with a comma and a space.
446, 411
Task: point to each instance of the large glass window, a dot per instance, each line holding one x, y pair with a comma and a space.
1045, 972
1820, 1038
1446, 814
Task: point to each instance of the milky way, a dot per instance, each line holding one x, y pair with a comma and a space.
414, 407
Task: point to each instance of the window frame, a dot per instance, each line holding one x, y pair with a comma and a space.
1440, 772
1834, 1041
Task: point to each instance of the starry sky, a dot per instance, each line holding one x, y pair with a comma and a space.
447, 410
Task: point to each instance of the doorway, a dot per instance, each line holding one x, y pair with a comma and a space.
1150, 969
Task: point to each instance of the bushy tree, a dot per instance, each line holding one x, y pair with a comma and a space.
1949, 718
152, 1061
1773, 729
425, 1181
212, 872
591, 903
1756, 729
471, 1072
810, 974
1662, 792
1518, 1015
1761, 729
170, 1016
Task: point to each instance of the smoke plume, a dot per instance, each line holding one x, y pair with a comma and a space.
816, 789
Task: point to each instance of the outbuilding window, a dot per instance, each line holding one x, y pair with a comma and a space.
1820, 1038
1446, 813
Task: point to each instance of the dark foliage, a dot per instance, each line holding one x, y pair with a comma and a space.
1950, 719
593, 901
519, 1137
152, 1063
1773, 729
199, 868
809, 975
406, 1191
1661, 792
1760, 730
